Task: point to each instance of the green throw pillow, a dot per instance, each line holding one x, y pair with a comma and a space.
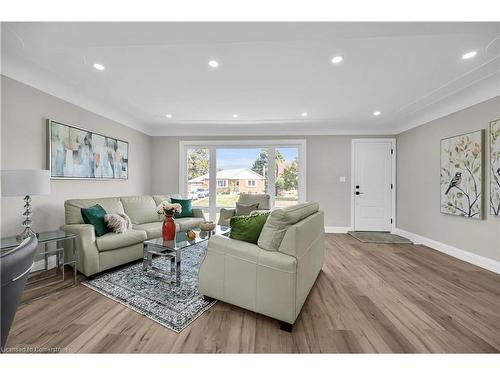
95, 215
248, 228
187, 207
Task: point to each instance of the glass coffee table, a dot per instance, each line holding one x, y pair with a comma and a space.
171, 250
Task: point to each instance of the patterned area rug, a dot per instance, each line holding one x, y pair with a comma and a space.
151, 294
379, 237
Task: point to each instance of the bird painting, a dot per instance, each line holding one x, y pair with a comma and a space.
455, 181
462, 174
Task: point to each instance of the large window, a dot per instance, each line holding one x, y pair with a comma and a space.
214, 174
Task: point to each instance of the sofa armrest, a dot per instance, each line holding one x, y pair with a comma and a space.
198, 212
86, 249
225, 215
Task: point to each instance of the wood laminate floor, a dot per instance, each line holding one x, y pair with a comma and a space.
369, 298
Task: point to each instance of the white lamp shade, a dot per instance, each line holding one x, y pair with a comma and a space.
21, 182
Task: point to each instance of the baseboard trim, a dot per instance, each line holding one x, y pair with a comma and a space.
337, 229
466, 256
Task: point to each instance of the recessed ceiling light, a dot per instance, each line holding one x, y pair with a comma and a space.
99, 66
337, 59
469, 55
168, 115
235, 115
213, 64
304, 114
377, 113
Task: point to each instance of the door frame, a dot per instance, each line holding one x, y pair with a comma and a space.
393, 177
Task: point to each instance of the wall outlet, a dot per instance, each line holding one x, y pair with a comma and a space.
342, 179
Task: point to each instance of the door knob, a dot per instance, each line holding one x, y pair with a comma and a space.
358, 193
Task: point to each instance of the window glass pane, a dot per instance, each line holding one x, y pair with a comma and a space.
287, 176
240, 170
198, 176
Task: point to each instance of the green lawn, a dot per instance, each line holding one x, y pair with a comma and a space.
222, 200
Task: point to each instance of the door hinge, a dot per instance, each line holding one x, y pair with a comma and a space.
391, 221
392, 187
392, 151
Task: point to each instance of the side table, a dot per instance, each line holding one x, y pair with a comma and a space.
44, 240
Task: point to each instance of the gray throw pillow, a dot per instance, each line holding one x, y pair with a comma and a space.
245, 209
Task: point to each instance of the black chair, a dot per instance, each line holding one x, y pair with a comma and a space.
15, 266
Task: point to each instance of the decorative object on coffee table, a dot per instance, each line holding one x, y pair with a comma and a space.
25, 182
207, 226
168, 228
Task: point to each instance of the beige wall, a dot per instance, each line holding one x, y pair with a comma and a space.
328, 158
418, 192
24, 110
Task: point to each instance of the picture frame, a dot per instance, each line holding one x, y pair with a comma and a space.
75, 153
462, 175
494, 201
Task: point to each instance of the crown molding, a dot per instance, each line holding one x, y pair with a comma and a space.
468, 96
34, 77
448, 100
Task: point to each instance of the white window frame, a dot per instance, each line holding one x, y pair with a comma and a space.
225, 184
271, 145
249, 185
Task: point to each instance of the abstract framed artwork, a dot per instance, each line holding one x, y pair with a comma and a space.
495, 167
462, 160
77, 153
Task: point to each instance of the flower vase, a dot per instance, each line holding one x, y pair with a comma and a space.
168, 229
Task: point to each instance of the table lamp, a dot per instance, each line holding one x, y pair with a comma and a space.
25, 182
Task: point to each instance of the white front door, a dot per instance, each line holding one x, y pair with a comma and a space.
372, 185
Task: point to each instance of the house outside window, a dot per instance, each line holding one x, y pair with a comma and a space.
221, 183
251, 183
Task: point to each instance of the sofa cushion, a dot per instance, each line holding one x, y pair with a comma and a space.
141, 209
161, 198
111, 241
280, 220
72, 208
153, 230
247, 228
186, 223
95, 215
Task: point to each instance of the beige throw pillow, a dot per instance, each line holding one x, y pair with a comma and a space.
280, 220
245, 209
119, 223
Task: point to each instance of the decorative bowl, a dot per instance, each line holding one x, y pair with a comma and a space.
207, 226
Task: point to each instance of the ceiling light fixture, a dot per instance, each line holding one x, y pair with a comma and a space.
168, 115
469, 55
213, 64
98, 66
377, 113
235, 115
337, 59
304, 114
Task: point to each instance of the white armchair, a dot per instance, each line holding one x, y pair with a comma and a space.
273, 283
227, 213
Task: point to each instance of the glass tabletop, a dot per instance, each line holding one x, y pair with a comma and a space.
181, 240
56, 235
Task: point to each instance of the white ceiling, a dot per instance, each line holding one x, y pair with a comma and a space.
269, 73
